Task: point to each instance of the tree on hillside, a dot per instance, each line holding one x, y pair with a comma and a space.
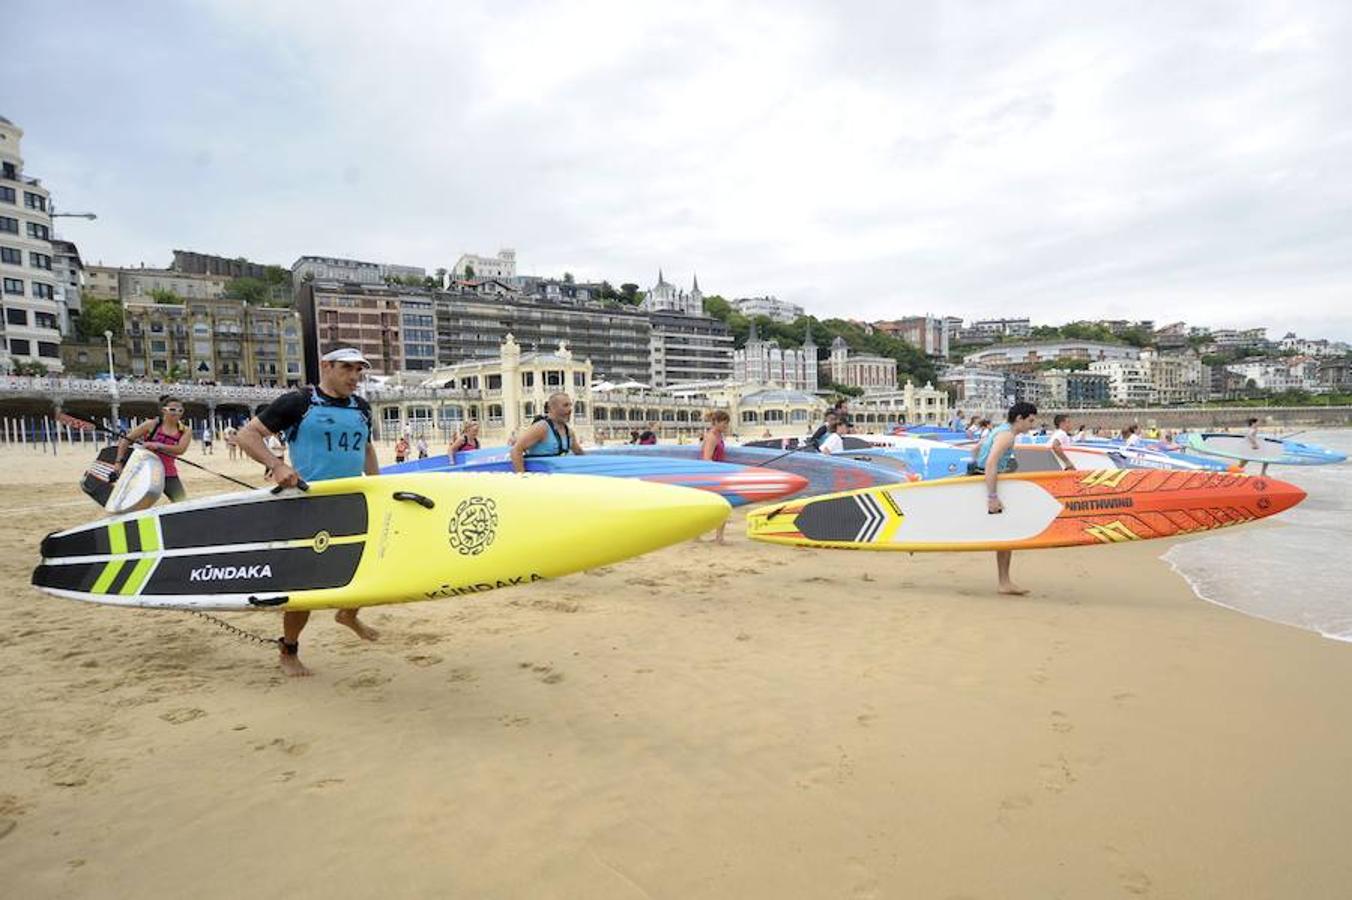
629, 293
164, 295
276, 275
568, 278
97, 317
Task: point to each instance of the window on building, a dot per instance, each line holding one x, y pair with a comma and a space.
40, 261
157, 328
159, 347
44, 320
16, 316
495, 412
494, 382
579, 379
49, 349
7, 195
43, 291
553, 378
528, 409
12, 256
7, 223
39, 232
14, 286
34, 201
159, 365
528, 379
580, 410
19, 347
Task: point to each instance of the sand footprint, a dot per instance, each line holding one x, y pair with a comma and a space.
182, 714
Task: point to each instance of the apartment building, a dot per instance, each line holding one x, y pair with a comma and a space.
975, 390
101, 282
928, 333
221, 340
765, 362
365, 316
1071, 389
1035, 352
28, 286
141, 283
470, 265
689, 348
872, 373
1129, 381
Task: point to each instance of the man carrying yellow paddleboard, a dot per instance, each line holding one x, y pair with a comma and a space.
328, 432
996, 455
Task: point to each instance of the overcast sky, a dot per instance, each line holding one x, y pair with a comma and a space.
870, 160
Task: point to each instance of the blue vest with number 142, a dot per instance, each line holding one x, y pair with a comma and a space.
330, 440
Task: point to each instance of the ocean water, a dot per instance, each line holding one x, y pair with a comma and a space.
1292, 569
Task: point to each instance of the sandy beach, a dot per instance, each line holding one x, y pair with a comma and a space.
745, 721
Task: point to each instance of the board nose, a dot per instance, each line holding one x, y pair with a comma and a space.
1276, 496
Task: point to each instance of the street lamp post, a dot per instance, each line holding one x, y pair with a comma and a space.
112, 375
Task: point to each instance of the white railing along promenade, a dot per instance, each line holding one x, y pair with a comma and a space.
56, 387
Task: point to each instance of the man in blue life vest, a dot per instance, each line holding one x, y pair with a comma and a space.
328, 432
996, 455
548, 435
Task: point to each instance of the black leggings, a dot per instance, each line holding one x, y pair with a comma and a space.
173, 489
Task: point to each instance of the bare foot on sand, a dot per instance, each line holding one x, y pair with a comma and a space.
348, 617
293, 667
1012, 589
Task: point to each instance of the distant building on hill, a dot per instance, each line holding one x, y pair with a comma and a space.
927, 333
872, 373
471, 265
771, 307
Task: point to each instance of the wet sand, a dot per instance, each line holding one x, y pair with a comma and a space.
743, 721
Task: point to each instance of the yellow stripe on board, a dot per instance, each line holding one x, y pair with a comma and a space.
117, 537
138, 576
106, 577
150, 535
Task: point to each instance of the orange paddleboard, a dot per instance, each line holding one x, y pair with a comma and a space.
1043, 509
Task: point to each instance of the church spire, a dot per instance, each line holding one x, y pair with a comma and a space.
695, 288
752, 337
660, 279
807, 339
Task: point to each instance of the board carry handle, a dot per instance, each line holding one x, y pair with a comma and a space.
301, 485
269, 601
424, 502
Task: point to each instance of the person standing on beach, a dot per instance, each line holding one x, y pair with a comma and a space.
422, 447
996, 455
207, 437
167, 437
956, 423
714, 450
1060, 440
401, 449
231, 441
823, 430
833, 442
336, 444
548, 435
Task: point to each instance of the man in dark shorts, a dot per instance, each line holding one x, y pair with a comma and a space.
328, 431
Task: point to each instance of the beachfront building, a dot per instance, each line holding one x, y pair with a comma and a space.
1335, 374
33, 317
924, 405
1034, 352
872, 373
142, 283
503, 394
666, 297
1129, 381
764, 362
928, 333
470, 266
208, 264
1071, 389
976, 390
1178, 377
219, 340
1307, 347
770, 307
686, 347
1025, 387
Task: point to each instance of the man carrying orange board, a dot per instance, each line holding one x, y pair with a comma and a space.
998, 445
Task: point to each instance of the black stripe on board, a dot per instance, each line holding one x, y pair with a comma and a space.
264, 520
120, 579
90, 541
259, 571
79, 577
836, 519
133, 532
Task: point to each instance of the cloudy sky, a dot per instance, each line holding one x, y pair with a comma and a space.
1058, 160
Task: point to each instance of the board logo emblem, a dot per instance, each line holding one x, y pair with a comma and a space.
321, 541
474, 525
